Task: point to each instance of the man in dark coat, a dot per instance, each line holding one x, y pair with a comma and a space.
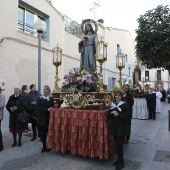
130, 101
32, 98
151, 103
163, 95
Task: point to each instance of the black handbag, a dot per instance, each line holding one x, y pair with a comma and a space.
22, 117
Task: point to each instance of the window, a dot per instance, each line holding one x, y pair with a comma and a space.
26, 20
118, 48
126, 58
146, 75
158, 74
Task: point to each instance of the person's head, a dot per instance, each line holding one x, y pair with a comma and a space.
156, 89
151, 89
17, 90
46, 90
89, 28
125, 88
33, 87
118, 96
0, 90
25, 88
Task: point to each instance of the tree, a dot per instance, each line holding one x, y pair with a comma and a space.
153, 38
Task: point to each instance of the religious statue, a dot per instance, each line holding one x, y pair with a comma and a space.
87, 45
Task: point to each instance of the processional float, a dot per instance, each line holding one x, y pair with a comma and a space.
81, 86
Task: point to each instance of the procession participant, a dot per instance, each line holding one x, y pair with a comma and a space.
151, 103
130, 101
2, 105
119, 115
15, 105
163, 95
158, 100
87, 48
44, 106
32, 98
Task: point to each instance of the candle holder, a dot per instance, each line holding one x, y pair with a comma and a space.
57, 61
120, 64
101, 57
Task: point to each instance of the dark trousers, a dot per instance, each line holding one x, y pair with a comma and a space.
152, 112
34, 129
42, 134
128, 137
1, 143
119, 147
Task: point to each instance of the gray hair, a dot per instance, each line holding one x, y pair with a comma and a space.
18, 88
49, 89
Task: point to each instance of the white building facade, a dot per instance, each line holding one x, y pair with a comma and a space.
19, 45
156, 78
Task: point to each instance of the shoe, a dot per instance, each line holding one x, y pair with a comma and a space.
34, 138
19, 144
14, 144
1, 148
115, 163
150, 118
43, 150
26, 131
153, 118
48, 150
119, 166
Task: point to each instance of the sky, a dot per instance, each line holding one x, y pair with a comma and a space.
115, 13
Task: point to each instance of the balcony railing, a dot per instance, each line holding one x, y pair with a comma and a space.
73, 27
29, 29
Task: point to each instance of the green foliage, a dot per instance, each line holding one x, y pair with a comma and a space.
153, 38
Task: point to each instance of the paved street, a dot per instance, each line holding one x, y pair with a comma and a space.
149, 149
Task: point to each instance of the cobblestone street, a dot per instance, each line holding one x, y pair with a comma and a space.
148, 150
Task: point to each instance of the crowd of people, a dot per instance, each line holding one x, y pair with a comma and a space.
34, 106
39, 106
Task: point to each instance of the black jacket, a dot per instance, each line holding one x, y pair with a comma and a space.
151, 100
119, 125
130, 101
21, 104
43, 114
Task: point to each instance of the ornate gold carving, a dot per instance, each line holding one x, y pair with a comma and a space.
76, 99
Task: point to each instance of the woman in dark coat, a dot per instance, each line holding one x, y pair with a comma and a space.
119, 115
15, 105
44, 105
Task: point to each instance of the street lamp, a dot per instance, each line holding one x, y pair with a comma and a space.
129, 67
143, 80
101, 57
40, 27
57, 61
120, 64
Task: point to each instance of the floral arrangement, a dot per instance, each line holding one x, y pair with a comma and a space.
83, 80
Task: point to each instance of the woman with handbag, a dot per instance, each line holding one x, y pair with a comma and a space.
119, 115
15, 106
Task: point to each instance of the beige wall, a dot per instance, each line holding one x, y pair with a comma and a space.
19, 52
